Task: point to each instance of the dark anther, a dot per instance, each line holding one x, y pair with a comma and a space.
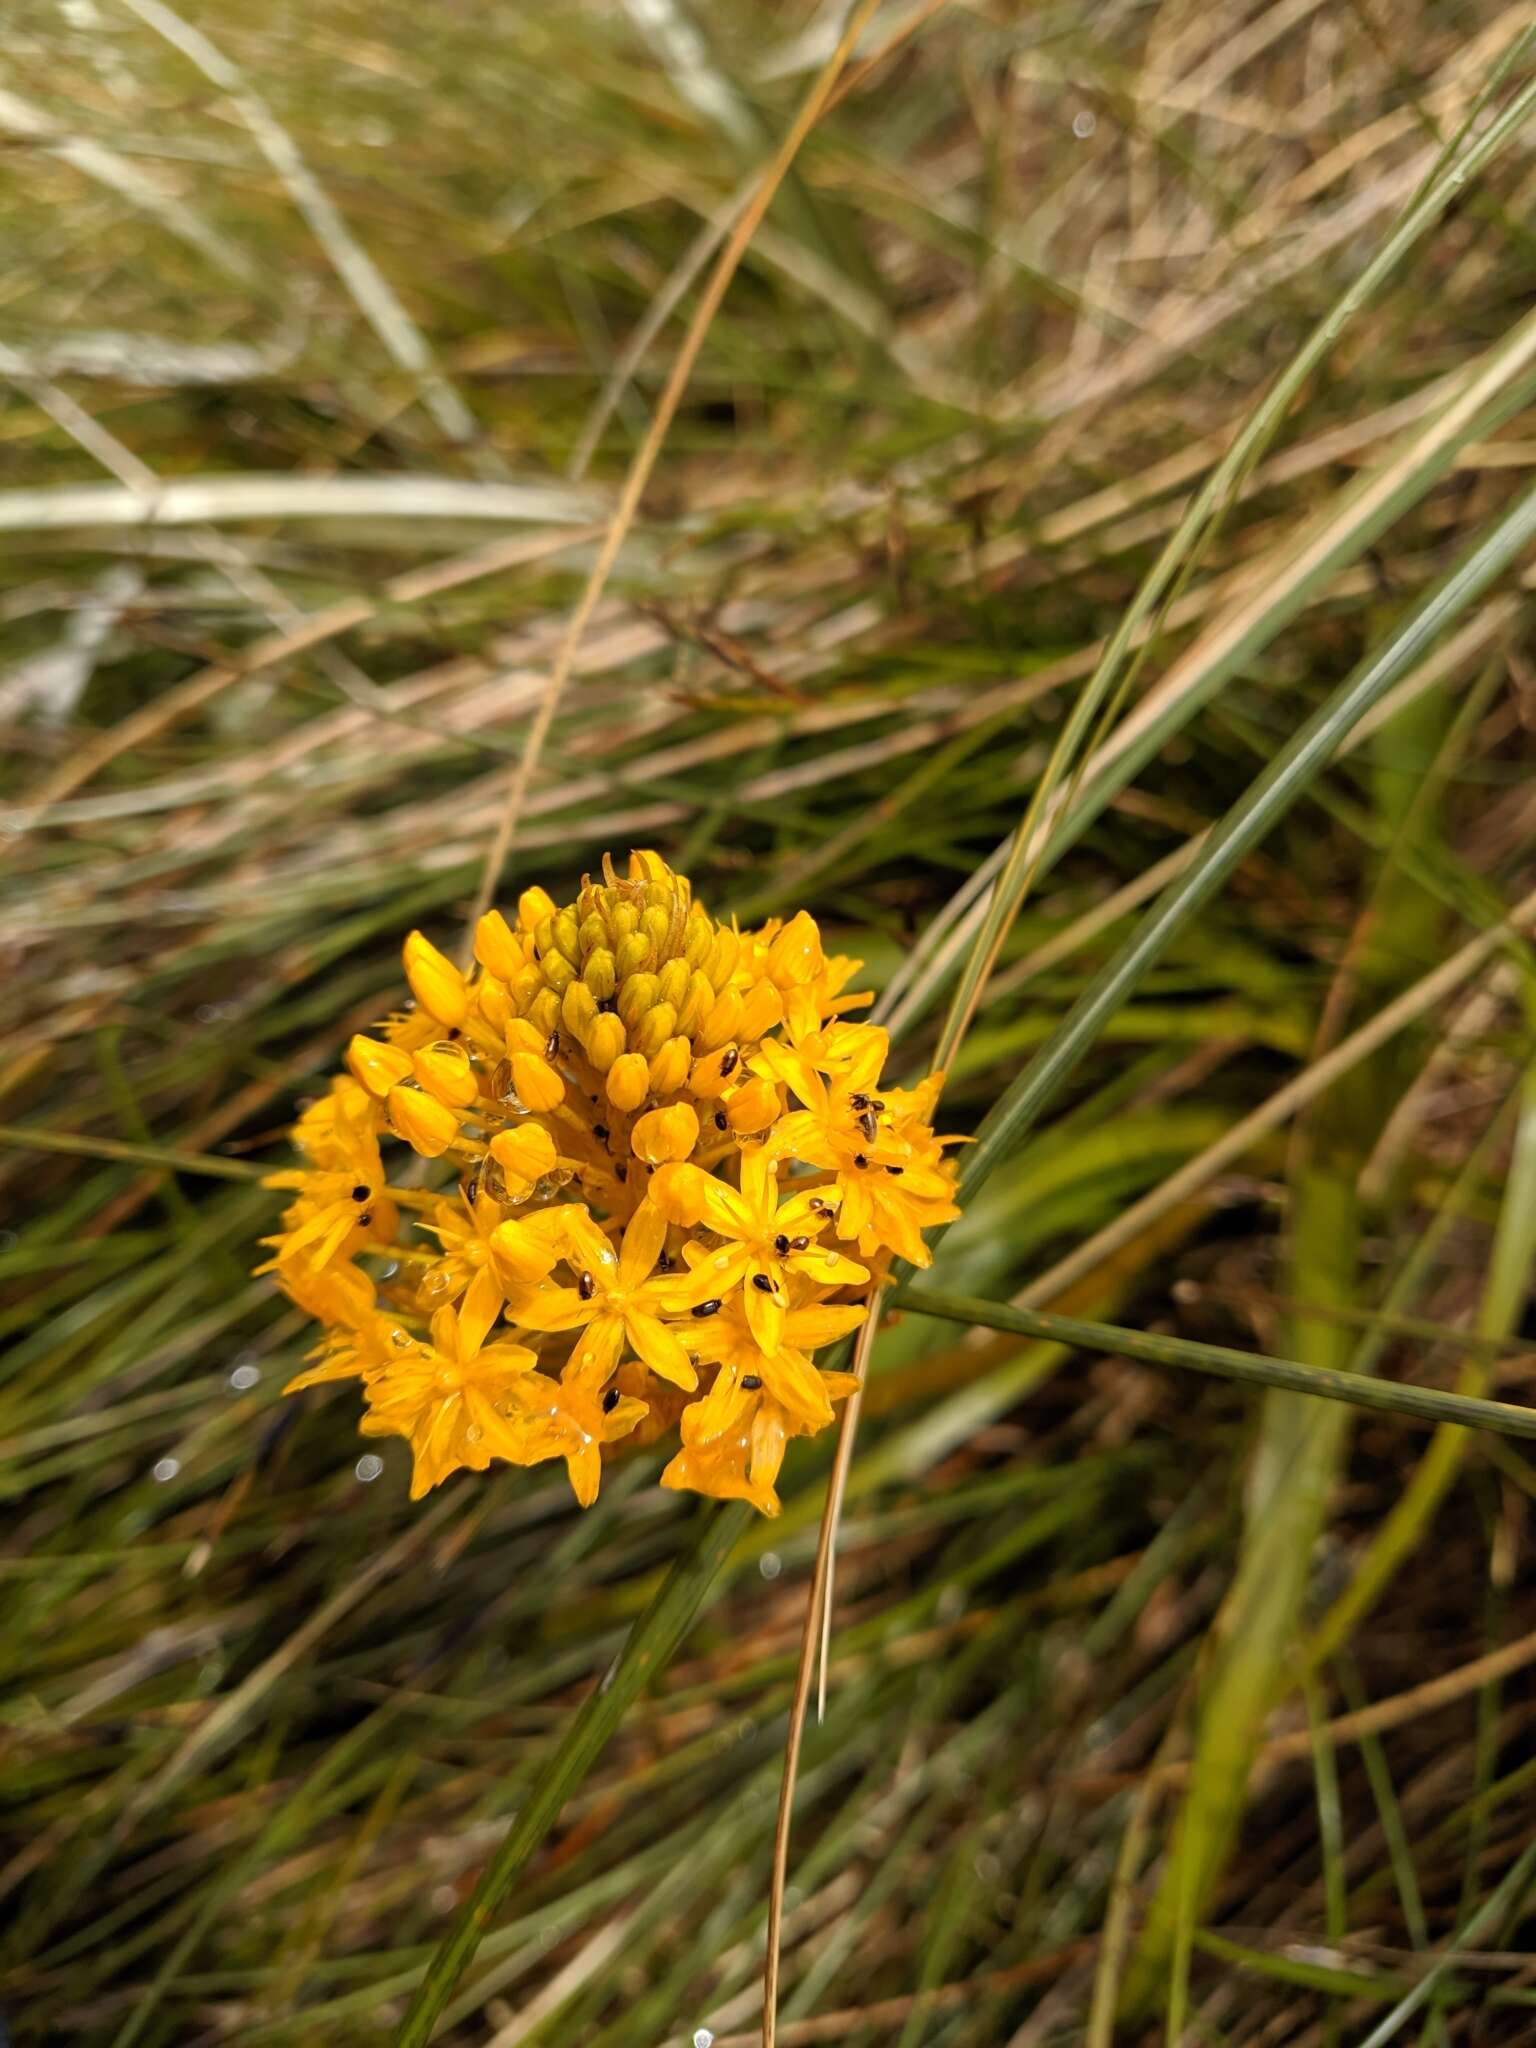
600, 1131
361, 1193
720, 1122
472, 1191
664, 1262
454, 1034
610, 1400
751, 1381
728, 1061
781, 1245
818, 1206
799, 1244
706, 1308
366, 1218
859, 1159
762, 1283
895, 1169
586, 1287
552, 1045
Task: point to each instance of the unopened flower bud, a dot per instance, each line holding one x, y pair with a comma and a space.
533, 907
632, 955
656, 923
636, 996
672, 982
538, 1086
436, 983
559, 972
427, 1125
378, 1066
493, 1003
498, 948
629, 1081
600, 974
525, 1153
523, 1256
654, 1029
664, 1134
669, 1067
592, 934
578, 1011
444, 1070
698, 1000
796, 957
544, 1013
753, 1107
712, 1074
605, 1041
720, 1022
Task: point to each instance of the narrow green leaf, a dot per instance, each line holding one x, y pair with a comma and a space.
1265, 801
27, 1139
1201, 520
646, 1652
1419, 1404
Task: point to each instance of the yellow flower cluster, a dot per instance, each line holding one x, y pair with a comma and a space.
678, 1178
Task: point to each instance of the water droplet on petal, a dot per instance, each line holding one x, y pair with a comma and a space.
165, 1469
244, 1377
369, 1466
722, 1261
473, 1434
401, 1339
834, 1260
703, 2038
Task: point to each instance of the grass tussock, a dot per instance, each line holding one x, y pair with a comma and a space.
1158, 1708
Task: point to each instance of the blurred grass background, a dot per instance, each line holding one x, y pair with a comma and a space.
327, 334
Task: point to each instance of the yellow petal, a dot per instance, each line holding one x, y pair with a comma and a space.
436, 983
660, 1349
644, 1236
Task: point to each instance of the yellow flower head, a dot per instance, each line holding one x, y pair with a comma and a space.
678, 1175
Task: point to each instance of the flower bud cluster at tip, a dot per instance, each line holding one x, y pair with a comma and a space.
679, 1176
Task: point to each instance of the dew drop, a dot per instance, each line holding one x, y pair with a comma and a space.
369, 1466
165, 1469
473, 1434
401, 1339
834, 1259
1083, 124
244, 1377
703, 2038
722, 1261
770, 1564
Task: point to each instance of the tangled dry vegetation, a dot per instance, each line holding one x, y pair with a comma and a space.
1156, 1705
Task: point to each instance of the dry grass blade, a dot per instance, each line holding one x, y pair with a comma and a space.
644, 461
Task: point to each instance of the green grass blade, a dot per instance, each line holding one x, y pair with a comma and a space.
1425, 1405
1267, 798
646, 1653
1200, 521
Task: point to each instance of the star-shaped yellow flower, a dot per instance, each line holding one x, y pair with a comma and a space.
768, 1241
615, 1300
